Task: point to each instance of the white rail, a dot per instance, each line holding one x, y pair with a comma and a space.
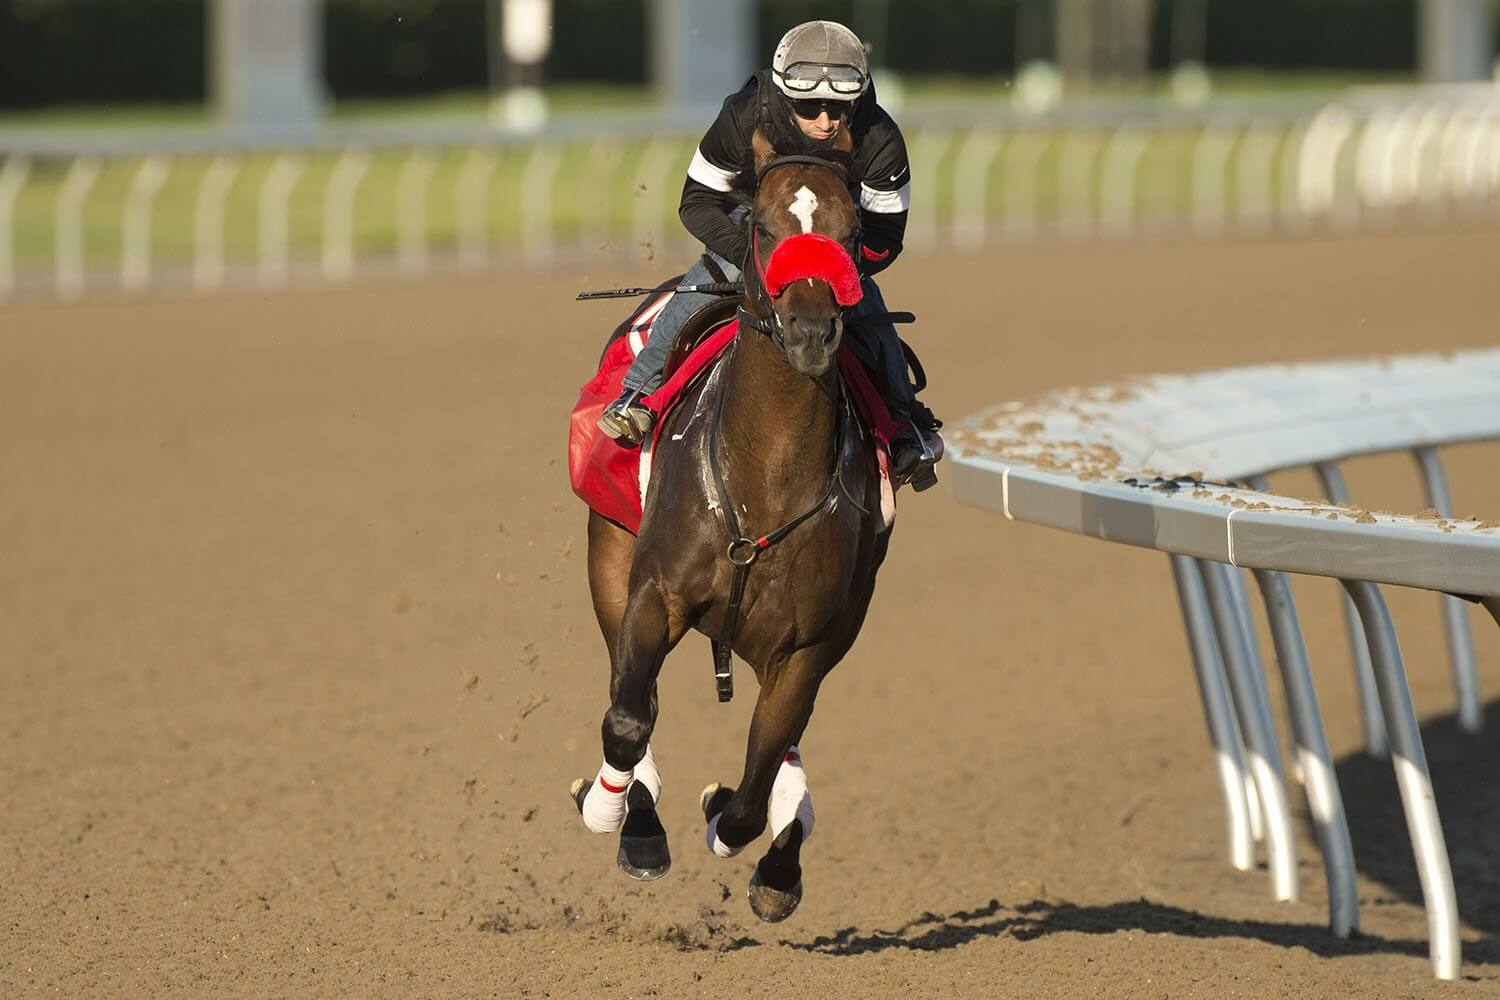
1167, 462
1097, 171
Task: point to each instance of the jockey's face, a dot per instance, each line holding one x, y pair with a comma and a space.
819, 120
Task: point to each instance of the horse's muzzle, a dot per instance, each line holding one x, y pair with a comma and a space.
811, 344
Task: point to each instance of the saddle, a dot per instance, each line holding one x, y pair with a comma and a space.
612, 480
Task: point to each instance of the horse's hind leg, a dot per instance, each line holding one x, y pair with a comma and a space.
611, 549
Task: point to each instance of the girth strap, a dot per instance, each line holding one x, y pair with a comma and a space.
744, 551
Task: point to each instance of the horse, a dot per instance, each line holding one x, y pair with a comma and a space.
768, 468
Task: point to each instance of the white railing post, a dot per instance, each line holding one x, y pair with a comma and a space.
1424, 167
411, 210
135, 249
1210, 159
926, 160
971, 180
649, 206
536, 204
338, 214
1254, 206
12, 179
1020, 165
604, 156
1455, 614
68, 221
275, 199
1117, 191
1075, 185
208, 223
472, 208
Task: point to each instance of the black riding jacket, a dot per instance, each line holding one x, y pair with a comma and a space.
722, 175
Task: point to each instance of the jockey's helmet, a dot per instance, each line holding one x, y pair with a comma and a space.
820, 60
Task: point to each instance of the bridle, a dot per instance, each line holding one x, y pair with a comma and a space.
772, 326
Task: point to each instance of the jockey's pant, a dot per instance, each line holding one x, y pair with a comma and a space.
645, 370
876, 344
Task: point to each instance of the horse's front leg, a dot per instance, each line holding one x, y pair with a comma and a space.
772, 764
623, 795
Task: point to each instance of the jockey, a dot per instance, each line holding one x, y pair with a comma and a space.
818, 84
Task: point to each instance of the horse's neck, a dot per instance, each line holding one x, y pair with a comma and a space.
778, 427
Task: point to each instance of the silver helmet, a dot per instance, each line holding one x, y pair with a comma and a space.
820, 60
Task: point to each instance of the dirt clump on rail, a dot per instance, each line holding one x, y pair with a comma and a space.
299, 663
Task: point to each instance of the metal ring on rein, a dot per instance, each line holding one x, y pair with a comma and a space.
748, 560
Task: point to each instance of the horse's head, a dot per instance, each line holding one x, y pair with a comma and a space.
801, 275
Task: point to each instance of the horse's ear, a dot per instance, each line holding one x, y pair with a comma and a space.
844, 142
762, 149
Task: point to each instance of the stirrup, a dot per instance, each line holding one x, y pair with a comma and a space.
626, 420
916, 464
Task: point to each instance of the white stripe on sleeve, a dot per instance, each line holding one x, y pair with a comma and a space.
708, 175
885, 202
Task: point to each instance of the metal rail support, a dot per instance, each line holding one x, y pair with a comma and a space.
79, 181
1210, 158
135, 256
208, 223
1117, 192
1252, 705
1455, 615
1223, 730
1075, 185
655, 173
12, 179
275, 218
338, 214
412, 183
1021, 163
1324, 801
971, 182
536, 204
1359, 650
1254, 208
927, 154
1413, 778
472, 206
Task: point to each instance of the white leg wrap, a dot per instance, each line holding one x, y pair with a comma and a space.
604, 805
790, 798
647, 774
716, 846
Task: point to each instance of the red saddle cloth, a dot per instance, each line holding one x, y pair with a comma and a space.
612, 480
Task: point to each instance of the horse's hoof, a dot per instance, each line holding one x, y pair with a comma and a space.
643, 851
770, 904
578, 791
644, 859
713, 800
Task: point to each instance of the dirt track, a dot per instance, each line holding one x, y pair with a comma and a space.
298, 662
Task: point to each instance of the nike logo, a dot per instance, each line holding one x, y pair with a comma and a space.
897, 175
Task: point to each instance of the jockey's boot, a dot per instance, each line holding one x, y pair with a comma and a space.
627, 419
916, 450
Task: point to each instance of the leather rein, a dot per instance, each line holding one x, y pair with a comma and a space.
744, 550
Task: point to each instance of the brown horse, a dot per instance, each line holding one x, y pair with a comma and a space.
766, 441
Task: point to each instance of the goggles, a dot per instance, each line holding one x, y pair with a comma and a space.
804, 77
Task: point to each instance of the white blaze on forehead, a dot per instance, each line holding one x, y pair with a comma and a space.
804, 204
